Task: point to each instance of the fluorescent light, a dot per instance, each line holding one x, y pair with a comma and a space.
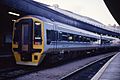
13, 20
12, 13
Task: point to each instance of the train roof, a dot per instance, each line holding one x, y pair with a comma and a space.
34, 8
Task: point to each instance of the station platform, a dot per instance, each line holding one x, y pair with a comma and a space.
4, 56
5, 53
110, 71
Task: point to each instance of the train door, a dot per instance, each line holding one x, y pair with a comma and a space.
23, 39
26, 41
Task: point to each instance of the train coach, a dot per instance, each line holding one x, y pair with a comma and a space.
35, 37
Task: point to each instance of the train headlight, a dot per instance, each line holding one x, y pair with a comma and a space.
37, 41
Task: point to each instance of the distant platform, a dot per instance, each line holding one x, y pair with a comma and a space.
111, 70
3, 56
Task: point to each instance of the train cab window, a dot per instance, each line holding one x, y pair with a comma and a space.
37, 33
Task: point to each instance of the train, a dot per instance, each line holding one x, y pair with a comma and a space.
37, 38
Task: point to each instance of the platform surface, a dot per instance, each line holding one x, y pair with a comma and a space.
111, 70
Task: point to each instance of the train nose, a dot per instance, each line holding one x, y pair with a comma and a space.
26, 57
28, 41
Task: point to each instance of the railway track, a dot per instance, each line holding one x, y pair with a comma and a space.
12, 73
88, 71
19, 71
60, 71
6, 61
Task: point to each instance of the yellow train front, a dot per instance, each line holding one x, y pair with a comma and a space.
28, 43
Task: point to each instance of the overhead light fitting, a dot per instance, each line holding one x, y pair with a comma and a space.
13, 20
12, 13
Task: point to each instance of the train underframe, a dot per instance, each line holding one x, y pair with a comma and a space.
56, 56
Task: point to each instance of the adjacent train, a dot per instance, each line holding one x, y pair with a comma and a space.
35, 37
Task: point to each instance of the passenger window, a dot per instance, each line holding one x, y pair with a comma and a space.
52, 35
48, 36
59, 36
64, 36
77, 38
71, 37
